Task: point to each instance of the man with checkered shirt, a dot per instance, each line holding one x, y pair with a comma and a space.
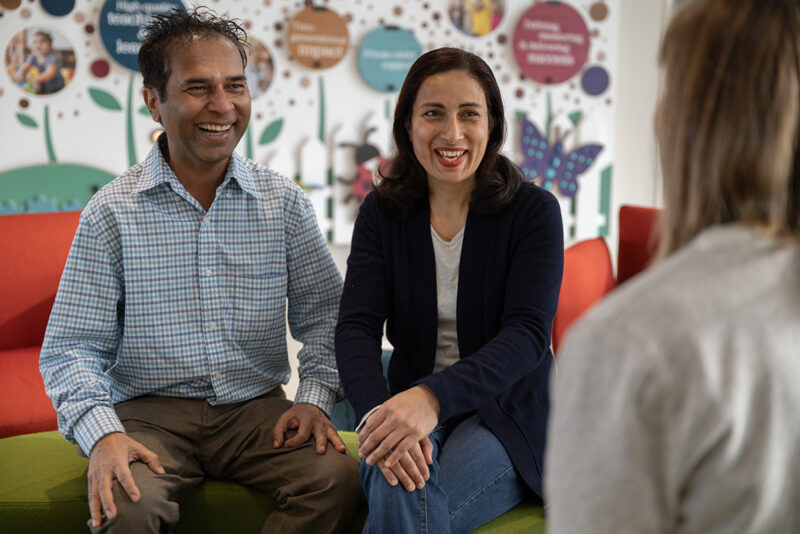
166, 347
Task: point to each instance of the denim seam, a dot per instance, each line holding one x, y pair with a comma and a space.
479, 492
424, 496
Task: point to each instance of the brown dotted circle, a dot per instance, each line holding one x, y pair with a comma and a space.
287, 74
502, 38
278, 43
595, 33
505, 78
76, 113
291, 101
88, 28
398, 10
601, 56
25, 13
60, 115
426, 5
521, 76
348, 18
598, 11
608, 101
23, 103
259, 116
382, 21
267, 3
278, 26
425, 25
519, 93
247, 25
436, 15
79, 17
305, 82
490, 55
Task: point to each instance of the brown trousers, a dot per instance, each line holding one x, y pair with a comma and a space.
193, 439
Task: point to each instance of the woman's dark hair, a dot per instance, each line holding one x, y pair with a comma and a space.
405, 183
182, 25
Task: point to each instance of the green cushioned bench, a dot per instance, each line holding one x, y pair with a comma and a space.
43, 489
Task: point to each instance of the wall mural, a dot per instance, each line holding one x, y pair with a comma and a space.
324, 78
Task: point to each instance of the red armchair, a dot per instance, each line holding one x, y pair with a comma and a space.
34, 249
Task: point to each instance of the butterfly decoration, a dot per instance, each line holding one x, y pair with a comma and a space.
549, 164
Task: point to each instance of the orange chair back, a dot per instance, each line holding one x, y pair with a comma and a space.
34, 248
588, 276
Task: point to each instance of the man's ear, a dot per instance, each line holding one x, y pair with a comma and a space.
151, 100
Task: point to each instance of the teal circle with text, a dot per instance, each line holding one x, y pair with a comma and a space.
385, 55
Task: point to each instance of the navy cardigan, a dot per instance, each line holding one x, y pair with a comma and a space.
508, 286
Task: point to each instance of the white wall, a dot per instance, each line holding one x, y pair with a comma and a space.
636, 174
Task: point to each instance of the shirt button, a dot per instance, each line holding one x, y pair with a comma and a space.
212, 326
209, 272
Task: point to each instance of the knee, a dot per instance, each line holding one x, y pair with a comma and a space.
338, 475
151, 513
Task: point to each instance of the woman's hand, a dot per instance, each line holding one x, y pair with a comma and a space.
398, 425
412, 469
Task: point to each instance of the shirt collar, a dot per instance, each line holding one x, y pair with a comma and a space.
157, 171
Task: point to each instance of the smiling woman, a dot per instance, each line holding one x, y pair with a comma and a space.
463, 263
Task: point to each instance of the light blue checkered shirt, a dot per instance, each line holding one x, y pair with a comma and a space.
160, 298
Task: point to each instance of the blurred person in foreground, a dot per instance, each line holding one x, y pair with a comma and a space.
676, 400
462, 261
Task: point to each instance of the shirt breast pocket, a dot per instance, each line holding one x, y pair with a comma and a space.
258, 302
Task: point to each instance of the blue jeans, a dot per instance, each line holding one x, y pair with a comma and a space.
472, 482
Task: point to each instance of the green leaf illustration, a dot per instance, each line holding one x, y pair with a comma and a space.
271, 132
575, 117
104, 99
27, 120
144, 111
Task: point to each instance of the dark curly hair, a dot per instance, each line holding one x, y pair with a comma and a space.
179, 24
405, 184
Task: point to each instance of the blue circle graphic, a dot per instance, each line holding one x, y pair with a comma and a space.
120, 26
385, 55
58, 8
595, 80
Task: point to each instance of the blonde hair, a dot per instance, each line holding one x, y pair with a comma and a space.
727, 123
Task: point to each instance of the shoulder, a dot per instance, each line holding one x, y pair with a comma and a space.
533, 208
269, 183
531, 196
115, 196
690, 306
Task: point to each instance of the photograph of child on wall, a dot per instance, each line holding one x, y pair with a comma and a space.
40, 61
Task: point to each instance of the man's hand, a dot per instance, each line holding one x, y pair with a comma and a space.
110, 459
307, 419
412, 469
399, 424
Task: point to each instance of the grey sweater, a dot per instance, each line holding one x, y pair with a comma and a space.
676, 405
